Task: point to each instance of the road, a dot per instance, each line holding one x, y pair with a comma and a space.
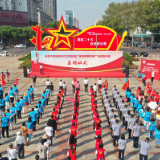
151, 52
18, 51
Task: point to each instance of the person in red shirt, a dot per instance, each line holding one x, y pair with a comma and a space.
72, 153
75, 121
151, 99
98, 141
153, 93
57, 108
145, 78
98, 130
72, 141
73, 130
149, 90
156, 98
96, 121
100, 152
95, 114
55, 115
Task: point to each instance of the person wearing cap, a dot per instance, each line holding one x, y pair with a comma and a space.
12, 152
19, 143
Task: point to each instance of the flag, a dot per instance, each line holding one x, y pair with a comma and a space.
126, 85
105, 83
137, 92
75, 81
16, 81
147, 86
3, 82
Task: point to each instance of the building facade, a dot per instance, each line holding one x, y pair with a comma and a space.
49, 7
76, 22
69, 17
7, 5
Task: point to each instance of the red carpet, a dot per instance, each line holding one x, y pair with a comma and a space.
81, 74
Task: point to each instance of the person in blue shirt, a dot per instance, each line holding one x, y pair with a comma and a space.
15, 90
10, 117
139, 107
40, 106
1, 92
11, 95
143, 75
45, 96
43, 101
152, 127
25, 97
2, 104
7, 100
129, 93
147, 116
139, 74
141, 115
32, 93
48, 93
132, 98
4, 125
32, 114
13, 112
37, 111
157, 137
22, 104
136, 102
18, 108
29, 96
30, 127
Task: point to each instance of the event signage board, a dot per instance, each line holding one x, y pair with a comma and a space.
13, 18
94, 38
73, 61
147, 66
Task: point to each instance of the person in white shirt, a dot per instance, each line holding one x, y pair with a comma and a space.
28, 72
86, 82
117, 97
99, 84
113, 89
73, 86
49, 131
95, 89
114, 95
64, 87
12, 152
19, 143
48, 83
152, 76
60, 84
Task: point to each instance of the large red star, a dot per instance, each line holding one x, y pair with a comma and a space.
60, 38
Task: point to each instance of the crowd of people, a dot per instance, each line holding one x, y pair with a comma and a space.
134, 110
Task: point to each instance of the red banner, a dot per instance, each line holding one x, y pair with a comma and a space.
147, 66
13, 18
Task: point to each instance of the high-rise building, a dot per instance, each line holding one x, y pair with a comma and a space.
7, 5
76, 22
69, 17
49, 7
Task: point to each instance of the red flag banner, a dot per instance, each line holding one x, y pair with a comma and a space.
16, 81
105, 83
3, 82
137, 92
126, 85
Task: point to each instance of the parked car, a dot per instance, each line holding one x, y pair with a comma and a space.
134, 54
3, 53
144, 54
20, 46
142, 46
154, 47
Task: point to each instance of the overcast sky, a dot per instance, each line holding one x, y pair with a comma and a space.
86, 10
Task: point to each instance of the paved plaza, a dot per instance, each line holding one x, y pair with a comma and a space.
86, 141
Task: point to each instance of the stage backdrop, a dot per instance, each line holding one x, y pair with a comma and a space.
77, 63
147, 66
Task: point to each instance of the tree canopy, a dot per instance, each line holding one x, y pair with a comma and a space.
127, 16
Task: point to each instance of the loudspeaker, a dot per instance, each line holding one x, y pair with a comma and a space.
127, 71
24, 71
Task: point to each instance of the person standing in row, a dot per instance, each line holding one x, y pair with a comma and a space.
15, 90
32, 114
86, 82
65, 88
12, 152
122, 146
95, 89
136, 132
47, 83
11, 95
19, 143
1, 92
152, 76
42, 150
60, 84
51, 88
145, 146
5, 125
34, 80
99, 84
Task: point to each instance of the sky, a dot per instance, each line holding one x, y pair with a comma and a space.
87, 11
